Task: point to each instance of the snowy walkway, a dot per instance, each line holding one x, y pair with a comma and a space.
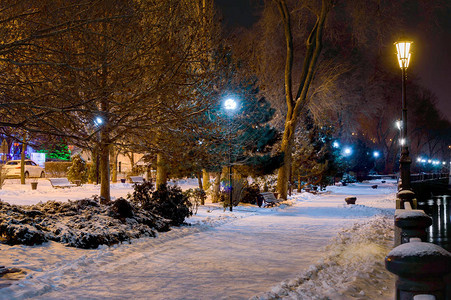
222, 256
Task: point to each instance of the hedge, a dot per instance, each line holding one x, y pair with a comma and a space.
57, 168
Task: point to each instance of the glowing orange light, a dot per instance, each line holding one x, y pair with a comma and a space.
404, 54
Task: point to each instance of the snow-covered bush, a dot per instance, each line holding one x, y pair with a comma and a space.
167, 201
197, 197
83, 224
267, 183
78, 170
347, 178
250, 194
142, 195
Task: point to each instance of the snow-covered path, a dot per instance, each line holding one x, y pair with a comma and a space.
223, 255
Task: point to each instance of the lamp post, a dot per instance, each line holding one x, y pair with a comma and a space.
98, 122
230, 106
403, 54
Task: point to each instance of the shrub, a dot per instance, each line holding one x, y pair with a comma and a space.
168, 202
142, 195
78, 170
121, 209
197, 197
238, 185
57, 168
348, 178
250, 194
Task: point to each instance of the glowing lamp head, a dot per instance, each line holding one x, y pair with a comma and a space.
98, 121
399, 124
376, 154
403, 53
335, 144
230, 104
347, 151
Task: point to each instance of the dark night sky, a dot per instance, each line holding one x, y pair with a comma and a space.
431, 57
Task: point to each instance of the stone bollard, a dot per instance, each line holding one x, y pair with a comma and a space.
413, 223
421, 268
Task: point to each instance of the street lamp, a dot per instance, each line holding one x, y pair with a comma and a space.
98, 121
403, 54
347, 151
230, 105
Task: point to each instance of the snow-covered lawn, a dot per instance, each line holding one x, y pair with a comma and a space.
312, 247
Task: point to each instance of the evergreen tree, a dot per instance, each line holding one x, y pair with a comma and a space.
361, 160
315, 160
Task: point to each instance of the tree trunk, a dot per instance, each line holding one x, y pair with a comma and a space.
199, 180
284, 171
114, 155
104, 157
216, 188
206, 180
295, 104
299, 184
162, 172
22, 162
131, 156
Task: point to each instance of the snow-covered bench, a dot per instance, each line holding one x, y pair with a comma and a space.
137, 179
269, 199
61, 183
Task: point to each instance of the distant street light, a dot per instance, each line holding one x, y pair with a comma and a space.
404, 55
230, 105
347, 151
336, 144
376, 154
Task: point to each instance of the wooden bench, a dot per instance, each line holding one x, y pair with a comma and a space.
61, 183
137, 179
269, 199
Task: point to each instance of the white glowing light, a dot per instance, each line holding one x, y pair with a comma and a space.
230, 104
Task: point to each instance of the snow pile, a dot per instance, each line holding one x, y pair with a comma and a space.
353, 269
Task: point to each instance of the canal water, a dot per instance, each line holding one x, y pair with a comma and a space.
439, 208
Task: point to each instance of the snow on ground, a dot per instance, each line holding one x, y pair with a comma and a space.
311, 247
15, 193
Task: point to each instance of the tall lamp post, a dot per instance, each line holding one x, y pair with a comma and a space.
98, 122
405, 193
230, 106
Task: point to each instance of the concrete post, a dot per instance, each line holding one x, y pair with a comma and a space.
421, 268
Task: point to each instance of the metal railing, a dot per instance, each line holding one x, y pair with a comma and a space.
428, 176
